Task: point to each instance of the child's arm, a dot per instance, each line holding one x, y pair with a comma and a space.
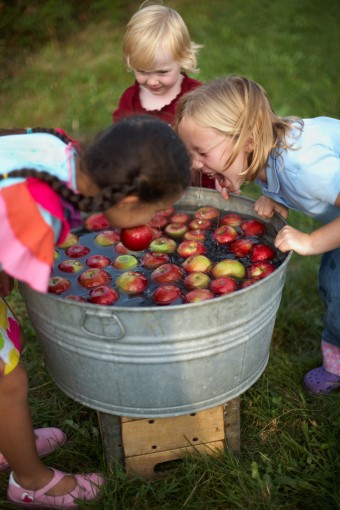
323, 239
265, 206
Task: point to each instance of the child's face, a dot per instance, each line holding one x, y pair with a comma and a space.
130, 212
164, 76
210, 151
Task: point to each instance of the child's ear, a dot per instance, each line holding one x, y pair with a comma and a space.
127, 202
249, 145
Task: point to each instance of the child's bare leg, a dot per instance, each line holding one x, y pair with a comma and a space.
17, 441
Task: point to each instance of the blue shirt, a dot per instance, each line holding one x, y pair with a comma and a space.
306, 177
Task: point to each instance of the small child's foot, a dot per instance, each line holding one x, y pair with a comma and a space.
87, 488
47, 440
319, 381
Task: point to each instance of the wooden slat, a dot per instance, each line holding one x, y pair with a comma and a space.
144, 465
153, 435
111, 434
232, 425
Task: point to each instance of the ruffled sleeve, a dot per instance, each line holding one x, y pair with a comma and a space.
31, 223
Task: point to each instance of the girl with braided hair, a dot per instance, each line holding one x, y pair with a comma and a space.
133, 169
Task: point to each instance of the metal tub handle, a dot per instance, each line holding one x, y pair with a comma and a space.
104, 324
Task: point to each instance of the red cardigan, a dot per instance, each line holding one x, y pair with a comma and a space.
129, 104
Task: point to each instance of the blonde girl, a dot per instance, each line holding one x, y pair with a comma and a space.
234, 136
159, 51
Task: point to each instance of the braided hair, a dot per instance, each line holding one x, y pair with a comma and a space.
139, 156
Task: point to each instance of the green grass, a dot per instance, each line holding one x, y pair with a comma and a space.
290, 48
290, 453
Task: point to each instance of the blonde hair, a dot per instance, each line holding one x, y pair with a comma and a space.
156, 27
239, 108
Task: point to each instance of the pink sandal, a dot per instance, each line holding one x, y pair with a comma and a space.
88, 488
47, 440
319, 381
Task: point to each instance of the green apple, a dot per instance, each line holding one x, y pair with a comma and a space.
229, 267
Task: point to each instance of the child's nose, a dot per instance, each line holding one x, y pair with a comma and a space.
152, 81
196, 163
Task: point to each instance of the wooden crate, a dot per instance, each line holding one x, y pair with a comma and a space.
147, 446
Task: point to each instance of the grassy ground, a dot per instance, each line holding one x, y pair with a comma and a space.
290, 456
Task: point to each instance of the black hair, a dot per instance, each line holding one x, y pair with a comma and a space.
140, 156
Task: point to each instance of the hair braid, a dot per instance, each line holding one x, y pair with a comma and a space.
12, 131
58, 133
112, 194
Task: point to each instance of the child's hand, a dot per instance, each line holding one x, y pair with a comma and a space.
6, 284
265, 206
323, 239
291, 239
221, 189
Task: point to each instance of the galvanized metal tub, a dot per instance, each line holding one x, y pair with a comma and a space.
161, 361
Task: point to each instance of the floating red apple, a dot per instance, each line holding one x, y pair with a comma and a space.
158, 221
167, 273
197, 295
247, 282
196, 280
77, 251
103, 295
71, 266
151, 260
93, 277
166, 294
98, 261
260, 269
73, 297
188, 248
181, 218
225, 234
231, 219
223, 285
156, 232
167, 212
262, 252
200, 224
136, 238
96, 221
195, 235
241, 246
120, 248
58, 284
132, 282
197, 263
175, 230
206, 213
107, 237
252, 227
